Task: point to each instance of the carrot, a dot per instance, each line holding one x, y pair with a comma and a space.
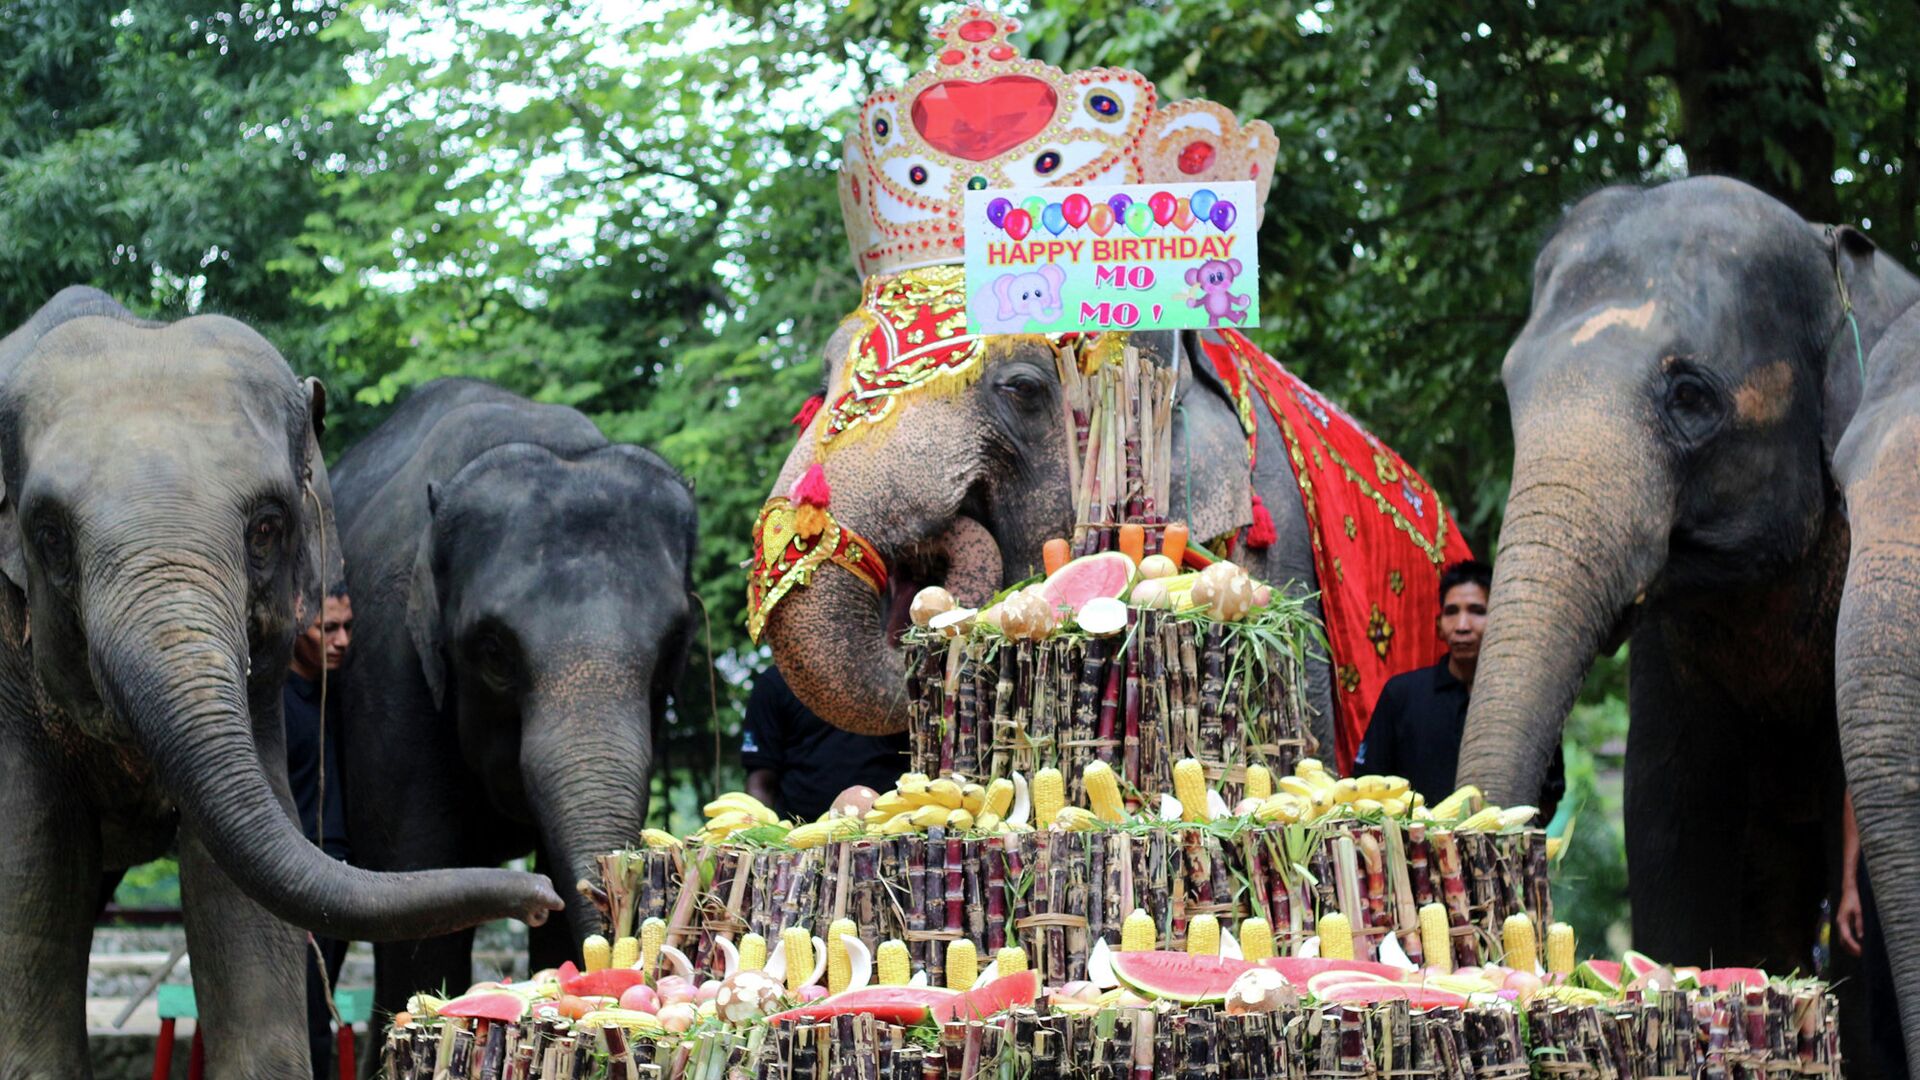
1055, 555
1133, 542
1174, 543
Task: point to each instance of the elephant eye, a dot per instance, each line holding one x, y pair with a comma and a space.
55, 545
264, 533
1692, 404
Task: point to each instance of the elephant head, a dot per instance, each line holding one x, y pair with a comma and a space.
551, 604
1685, 370
963, 489
164, 503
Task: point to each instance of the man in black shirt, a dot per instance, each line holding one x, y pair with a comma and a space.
1421, 715
797, 763
321, 646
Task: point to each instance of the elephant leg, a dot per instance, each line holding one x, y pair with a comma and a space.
1289, 563
49, 872
249, 974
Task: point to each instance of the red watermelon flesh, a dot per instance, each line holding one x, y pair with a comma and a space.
893, 1004
607, 982
1007, 992
1105, 574
488, 1005
1599, 975
1729, 978
1299, 969
1638, 964
1177, 976
1369, 993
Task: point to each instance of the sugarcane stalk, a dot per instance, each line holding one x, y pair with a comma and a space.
1089, 716
995, 858
976, 906
1074, 952
1113, 675
1453, 893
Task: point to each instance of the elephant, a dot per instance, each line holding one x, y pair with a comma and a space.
523, 598
1015, 299
164, 508
1687, 405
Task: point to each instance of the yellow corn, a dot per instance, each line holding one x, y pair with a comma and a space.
1190, 786
1479, 822
963, 964
659, 839
1103, 792
1307, 766
1436, 937
799, 946
753, 952
626, 952
1517, 935
1256, 939
839, 967
999, 798
653, 934
1049, 795
1075, 819
1203, 936
809, 836
1336, 936
1259, 782
987, 822
1559, 949
1137, 933
1011, 960
596, 952
895, 967
1458, 804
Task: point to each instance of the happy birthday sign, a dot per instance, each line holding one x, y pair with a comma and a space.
1128, 257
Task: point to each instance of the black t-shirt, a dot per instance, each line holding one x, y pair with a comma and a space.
815, 760
300, 708
1416, 730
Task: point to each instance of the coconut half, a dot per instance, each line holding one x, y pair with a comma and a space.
1102, 616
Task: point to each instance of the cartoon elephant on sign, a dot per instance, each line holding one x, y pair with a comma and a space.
1215, 278
1019, 299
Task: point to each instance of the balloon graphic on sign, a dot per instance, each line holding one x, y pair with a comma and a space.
1019, 224
1201, 202
1222, 215
1118, 204
1054, 218
1076, 207
1139, 219
1163, 205
1034, 205
997, 212
1182, 216
1100, 219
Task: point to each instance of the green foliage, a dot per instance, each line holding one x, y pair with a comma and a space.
1590, 884
151, 885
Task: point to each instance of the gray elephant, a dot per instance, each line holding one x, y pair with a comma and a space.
164, 505
523, 602
1687, 370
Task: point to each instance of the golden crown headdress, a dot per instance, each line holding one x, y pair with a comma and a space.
983, 116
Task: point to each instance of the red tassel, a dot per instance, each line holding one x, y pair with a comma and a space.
811, 489
1261, 534
805, 416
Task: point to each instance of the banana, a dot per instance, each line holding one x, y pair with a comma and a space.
659, 839
947, 793
928, 816
891, 802
742, 802
1346, 789
973, 799
1372, 787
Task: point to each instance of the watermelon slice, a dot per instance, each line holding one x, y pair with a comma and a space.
1319, 984
1370, 993
1299, 969
1640, 964
904, 1005
1731, 977
1107, 574
1006, 992
488, 1005
1177, 976
607, 982
1603, 975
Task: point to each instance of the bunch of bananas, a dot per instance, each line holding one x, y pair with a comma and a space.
734, 812
917, 803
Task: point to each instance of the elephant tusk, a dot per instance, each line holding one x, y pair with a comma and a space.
729, 956
819, 963
677, 960
859, 962
1022, 802
1216, 805
776, 965
1392, 953
1170, 808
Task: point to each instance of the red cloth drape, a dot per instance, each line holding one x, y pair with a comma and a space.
1380, 534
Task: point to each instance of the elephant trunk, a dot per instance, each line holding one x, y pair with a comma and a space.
1585, 532
833, 643
168, 654
586, 756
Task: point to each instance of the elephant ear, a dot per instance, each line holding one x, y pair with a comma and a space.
322, 564
1880, 291
12, 562
1212, 479
423, 610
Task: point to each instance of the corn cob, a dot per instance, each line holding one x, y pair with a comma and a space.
1137, 933
895, 967
626, 952
1203, 936
963, 964
1103, 792
1309, 766
1560, 949
1259, 782
799, 946
999, 798
753, 952
1049, 795
1190, 786
1011, 960
659, 839
1517, 935
809, 836
1485, 819
1336, 936
1458, 804
1515, 816
596, 952
839, 967
1436, 937
653, 934
1256, 939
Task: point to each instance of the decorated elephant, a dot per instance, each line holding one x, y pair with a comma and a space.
165, 505
523, 601
1694, 460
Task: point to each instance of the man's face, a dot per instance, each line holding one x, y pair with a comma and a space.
1463, 621
327, 637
